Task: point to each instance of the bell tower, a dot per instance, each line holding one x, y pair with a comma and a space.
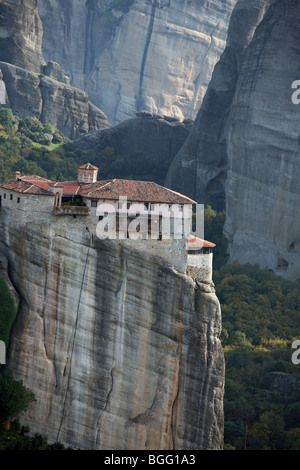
87, 173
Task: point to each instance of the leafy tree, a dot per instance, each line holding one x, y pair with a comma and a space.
14, 397
213, 231
8, 311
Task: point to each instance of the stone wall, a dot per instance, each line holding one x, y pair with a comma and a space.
31, 207
200, 266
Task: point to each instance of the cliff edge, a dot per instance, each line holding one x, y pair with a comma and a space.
121, 350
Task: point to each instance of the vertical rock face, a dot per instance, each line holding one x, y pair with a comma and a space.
49, 100
200, 167
23, 86
263, 191
21, 34
132, 55
243, 150
121, 351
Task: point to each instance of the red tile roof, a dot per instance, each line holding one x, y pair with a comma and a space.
25, 187
196, 243
69, 187
88, 166
138, 191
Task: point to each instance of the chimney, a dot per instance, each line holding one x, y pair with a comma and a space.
17, 175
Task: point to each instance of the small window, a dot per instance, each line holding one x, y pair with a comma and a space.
4, 195
94, 203
11, 196
18, 200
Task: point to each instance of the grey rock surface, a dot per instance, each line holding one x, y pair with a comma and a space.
263, 190
134, 55
243, 150
147, 142
121, 350
21, 34
65, 107
200, 167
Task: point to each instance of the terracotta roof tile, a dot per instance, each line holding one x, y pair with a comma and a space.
25, 187
139, 191
33, 178
88, 166
69, 187
197, 243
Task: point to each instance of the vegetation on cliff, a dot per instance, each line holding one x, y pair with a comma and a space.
260, 311
260, 321
31, 147
8, 311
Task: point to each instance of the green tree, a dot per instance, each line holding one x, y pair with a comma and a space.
14, 397
8, 311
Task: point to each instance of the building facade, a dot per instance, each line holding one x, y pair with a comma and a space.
124, 210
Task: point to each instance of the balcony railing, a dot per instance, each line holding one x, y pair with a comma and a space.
71, 210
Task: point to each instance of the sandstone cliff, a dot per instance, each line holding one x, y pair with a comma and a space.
49, 100
263, 191
120, 349
200, 167
21, 34
133, 55
146, 144
243, 150
32, 88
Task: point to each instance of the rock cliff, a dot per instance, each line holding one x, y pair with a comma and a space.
133, 55
33, 88
200, 167
120, 349
243, 150
21, 34
146, 144
44, 97
263, 191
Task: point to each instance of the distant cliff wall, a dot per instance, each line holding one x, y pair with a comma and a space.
32, 88
133, 55
67, 108
120, 349
21, 34
263, 191
242, 153
200, 167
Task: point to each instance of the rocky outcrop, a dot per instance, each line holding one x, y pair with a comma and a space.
120, 349
200, 167
147, 145
49, 100
131, 55
33, 88
21, 34
263, 191
243, 150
